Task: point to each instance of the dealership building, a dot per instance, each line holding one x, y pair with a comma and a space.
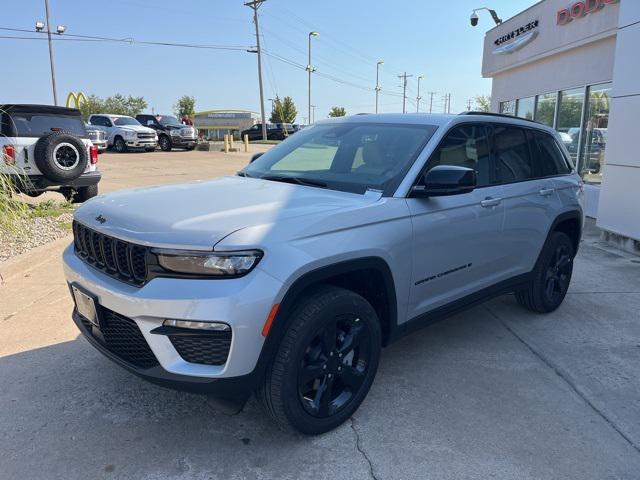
575, 66
215, 124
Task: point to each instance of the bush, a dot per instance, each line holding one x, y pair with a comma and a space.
12, 210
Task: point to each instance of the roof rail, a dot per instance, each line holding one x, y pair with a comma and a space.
499, 115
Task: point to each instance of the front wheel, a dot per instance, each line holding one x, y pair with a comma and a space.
119, 145
326, 362
165, 143
551, 276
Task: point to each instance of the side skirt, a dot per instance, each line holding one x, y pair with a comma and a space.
440, 313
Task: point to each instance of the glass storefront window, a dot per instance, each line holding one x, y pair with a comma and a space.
570, 119
526, 107
508, 107
546, 108
595, 132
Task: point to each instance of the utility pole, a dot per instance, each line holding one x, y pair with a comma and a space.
449, 104
431, 94
469, 105
310, 69
60, 30
418, 97
313, 114
404, 90
378, 82
255, 4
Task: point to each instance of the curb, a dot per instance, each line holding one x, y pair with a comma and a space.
27, 261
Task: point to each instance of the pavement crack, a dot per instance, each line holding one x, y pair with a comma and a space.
352, 422
566, 378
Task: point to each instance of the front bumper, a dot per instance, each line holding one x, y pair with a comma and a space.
141, 143
183, 142
243, 303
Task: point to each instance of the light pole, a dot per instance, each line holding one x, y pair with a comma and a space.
378, 82
313, 114
418, 97
60, 29
310, 69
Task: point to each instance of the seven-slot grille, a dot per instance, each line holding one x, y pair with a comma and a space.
116, 258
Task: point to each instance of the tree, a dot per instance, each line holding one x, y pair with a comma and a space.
483, 103
337, 112
186, 105
284, 111
117, 104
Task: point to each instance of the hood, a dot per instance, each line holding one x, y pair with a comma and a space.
198, 215
136, 128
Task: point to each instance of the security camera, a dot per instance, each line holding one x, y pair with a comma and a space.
474, 19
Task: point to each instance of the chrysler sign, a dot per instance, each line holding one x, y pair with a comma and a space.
516, 39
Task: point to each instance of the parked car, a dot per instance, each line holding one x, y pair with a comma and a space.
171, 133
290, 277
124, 132
255, 132
98, 137
47, 148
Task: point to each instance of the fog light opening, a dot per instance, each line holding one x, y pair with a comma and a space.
195, 325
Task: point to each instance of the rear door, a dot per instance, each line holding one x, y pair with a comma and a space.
457, 243
531, 201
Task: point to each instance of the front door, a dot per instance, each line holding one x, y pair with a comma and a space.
457, 246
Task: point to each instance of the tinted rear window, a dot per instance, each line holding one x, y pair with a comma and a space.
552, 161
37, 125
513, 162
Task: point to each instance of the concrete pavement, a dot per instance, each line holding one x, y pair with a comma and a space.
494, 392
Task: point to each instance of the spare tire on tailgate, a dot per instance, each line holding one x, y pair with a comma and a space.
61, 157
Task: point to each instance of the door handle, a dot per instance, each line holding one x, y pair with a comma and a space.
490, 202
545, 192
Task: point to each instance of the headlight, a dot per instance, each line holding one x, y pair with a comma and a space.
129, 134
218, 264
174, 132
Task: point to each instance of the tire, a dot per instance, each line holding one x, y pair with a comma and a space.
82, 194
119, 145
551, 276
188, 149
165, 143
318, 344
60, 157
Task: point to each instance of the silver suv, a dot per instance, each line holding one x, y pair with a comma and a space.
288, 278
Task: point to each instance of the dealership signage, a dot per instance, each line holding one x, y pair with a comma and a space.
581, 9
516, 39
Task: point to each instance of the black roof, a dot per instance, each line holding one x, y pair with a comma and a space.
28, 108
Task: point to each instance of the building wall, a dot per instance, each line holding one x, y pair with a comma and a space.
561, 56
619, 208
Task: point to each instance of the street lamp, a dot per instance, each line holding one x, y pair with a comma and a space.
40, 26
474, 16
418, 97
313, 114
380, 62
310, 69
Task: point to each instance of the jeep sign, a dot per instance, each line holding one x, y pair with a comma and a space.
581, 9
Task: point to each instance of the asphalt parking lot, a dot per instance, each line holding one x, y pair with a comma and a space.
494, 392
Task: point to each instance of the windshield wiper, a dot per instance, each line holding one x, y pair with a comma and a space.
294, 180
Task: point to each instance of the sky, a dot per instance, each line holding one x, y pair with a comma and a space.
422, 37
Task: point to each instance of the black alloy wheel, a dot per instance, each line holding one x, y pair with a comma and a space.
550, 277
325, 363
119, 145
334, 366
165, 143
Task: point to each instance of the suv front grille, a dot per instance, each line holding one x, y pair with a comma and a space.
146, 136
117, 258
122, 337
209, 349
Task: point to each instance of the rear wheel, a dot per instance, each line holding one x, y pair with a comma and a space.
326, 362
551, 276
80, 195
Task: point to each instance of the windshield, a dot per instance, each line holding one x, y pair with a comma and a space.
350, 157
169, 120
122, 121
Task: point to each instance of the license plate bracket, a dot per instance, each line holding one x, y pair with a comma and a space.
86, 305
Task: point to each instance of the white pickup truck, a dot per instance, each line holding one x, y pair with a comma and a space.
47, 148
124, 132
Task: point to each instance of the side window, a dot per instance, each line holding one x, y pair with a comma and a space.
552, 161
513, 162
94, 121
465, 146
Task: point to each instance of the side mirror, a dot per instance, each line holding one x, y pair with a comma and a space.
255, 157
443, 180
